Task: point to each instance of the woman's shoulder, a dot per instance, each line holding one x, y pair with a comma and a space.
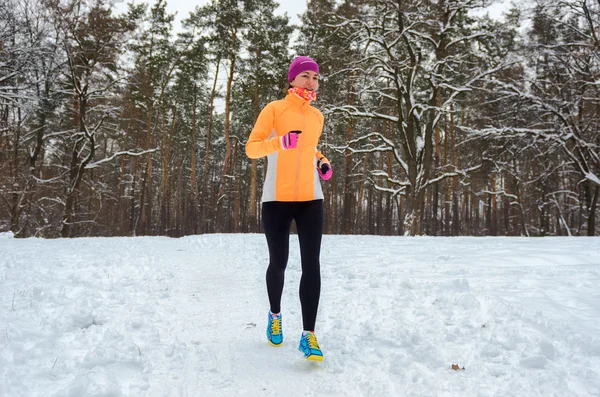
275, 107
277, 103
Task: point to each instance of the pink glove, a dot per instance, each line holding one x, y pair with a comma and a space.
290, 140
324, 169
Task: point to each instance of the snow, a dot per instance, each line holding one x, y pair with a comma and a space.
4, 235
593, 178
495, 10
154, 316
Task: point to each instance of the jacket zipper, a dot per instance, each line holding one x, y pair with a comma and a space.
300, 152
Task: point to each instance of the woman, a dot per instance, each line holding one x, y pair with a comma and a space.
287, 132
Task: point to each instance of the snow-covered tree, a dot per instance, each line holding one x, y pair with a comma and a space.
91, 39
558, 100
262, 79
30, 66
417, 60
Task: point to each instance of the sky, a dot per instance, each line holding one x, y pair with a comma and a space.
186, 317
184, 7
293, 8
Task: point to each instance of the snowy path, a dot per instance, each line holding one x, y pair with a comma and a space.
186, 317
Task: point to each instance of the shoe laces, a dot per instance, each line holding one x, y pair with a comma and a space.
312, 341
276, 326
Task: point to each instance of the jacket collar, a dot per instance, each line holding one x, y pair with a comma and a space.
297, 101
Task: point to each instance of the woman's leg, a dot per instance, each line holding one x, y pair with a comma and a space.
277, 220
309, 222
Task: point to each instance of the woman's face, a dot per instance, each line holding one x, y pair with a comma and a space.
307, 79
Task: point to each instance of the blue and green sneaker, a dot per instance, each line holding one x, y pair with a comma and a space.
310, 347
274, 331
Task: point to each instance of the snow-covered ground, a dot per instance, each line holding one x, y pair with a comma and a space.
154, 316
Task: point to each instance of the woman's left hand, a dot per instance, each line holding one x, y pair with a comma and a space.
324, 169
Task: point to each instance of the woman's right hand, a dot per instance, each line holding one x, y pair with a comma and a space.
290, 140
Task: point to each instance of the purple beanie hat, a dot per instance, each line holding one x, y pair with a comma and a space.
301, 64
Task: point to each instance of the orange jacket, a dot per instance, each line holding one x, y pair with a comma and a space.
292, 173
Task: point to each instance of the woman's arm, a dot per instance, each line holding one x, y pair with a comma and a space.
259, 145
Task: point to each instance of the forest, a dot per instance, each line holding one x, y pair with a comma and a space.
439, 119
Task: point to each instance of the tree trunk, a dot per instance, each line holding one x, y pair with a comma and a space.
349, 197
253, 201
221, 199
591, 222
436, 171
206, 191
446, 223
166, 205
476, 225
400, 215
493, 210
413, 221
237, 194
360, 207
76, 175
455, 230
77, 168
122, 201
132, 213
193, 176
468, 227
379, 201
175, 225
146, 187
390, 205
16, 197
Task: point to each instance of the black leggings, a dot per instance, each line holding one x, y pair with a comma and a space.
277, 219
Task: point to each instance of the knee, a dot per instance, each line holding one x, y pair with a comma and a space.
276, 268
311, 269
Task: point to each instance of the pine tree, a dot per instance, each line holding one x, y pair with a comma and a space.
155, 61
262, 79
92, 40
326, 43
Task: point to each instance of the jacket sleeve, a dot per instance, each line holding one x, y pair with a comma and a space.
318, 154
259, 145
320, 157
